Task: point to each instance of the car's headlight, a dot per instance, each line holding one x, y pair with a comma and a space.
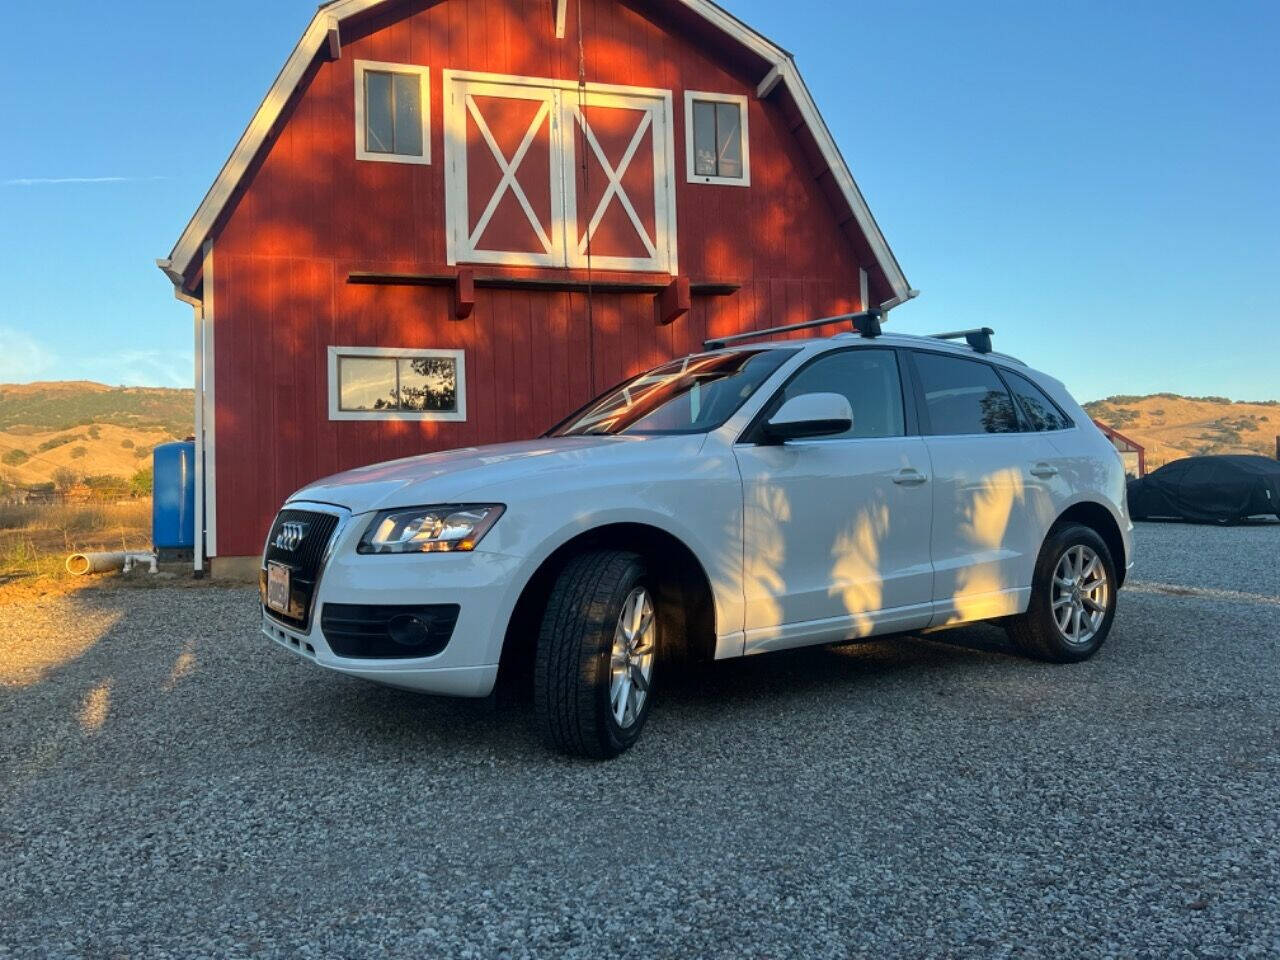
440, 529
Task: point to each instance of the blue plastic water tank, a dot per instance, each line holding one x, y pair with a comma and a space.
173, 499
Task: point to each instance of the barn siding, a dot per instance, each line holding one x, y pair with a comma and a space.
311, 214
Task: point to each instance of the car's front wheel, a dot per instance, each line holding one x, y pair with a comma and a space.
1073, 597
593, 673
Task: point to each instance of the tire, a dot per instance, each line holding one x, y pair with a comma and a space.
590, 699
1037, 632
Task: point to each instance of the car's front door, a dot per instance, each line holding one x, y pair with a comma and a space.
992, 502
836, 532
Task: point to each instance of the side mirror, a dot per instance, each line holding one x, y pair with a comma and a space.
809, 415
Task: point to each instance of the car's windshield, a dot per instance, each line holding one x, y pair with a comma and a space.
693, 395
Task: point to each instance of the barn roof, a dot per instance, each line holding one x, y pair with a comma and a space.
781, 70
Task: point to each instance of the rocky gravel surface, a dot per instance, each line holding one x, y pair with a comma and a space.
171, 785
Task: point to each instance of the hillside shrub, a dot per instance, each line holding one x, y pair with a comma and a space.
15, 457
78, 452
54, 442
95, 431
64, 478
1121, 417
127, 443
140, 484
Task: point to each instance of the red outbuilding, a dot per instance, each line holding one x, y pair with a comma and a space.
451, 222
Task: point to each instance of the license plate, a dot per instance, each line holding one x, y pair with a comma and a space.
278, 587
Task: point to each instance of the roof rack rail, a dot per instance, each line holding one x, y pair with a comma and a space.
978, 338
866, 323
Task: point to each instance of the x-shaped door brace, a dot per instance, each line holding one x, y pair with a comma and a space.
509, 169
615, 181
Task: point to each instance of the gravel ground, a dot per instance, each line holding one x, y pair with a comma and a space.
172, 785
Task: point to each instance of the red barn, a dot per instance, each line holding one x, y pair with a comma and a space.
451, 222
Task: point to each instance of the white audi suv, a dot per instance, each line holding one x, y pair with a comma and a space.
755, 497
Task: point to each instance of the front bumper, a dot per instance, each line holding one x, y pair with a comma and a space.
474, 681
483, 586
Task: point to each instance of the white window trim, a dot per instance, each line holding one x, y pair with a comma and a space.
336, 413
424, 79
457, 85
690, 165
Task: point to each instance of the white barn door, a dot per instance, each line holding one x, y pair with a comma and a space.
622, 201
504, 199
540, 173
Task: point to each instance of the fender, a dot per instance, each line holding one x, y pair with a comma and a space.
724, 574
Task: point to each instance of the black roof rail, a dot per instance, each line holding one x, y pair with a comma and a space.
978, 338
867, 323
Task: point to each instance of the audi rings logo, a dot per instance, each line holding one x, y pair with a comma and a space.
291, 535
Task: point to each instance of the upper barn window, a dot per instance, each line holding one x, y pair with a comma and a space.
716, 138
393, 112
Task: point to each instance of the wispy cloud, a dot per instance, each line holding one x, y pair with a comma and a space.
24, 358
55, 181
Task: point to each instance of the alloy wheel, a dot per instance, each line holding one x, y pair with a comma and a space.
1081, 593
631, 660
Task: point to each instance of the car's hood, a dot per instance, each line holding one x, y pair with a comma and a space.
459, 476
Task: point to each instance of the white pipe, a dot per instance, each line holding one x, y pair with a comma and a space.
199, 454
133, 559
79, 564
197, 307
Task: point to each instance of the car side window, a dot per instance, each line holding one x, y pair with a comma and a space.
964, 396
1043, 413
868, 378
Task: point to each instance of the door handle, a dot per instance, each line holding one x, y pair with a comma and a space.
1044, 471
910, 478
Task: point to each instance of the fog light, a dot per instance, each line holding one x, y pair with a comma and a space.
409, 630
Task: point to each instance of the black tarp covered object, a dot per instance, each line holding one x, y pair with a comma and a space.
1208, 489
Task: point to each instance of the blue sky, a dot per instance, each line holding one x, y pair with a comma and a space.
1097, 181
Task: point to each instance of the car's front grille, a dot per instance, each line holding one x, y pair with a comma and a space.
302, 554
306, 556
376, 631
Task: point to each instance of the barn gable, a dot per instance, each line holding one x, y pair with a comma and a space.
631, 239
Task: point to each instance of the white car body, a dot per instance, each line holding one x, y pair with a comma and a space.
807, 542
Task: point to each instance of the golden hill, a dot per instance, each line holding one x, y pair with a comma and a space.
1172, 426
91, 428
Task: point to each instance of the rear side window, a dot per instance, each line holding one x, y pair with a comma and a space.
868, 378
964, 396
1042, 412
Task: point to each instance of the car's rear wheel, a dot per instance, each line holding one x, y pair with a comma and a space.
1073, 598
593, 673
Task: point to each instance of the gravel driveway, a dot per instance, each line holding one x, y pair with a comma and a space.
173, 785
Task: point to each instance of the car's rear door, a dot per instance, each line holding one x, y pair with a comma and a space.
836, 530
992, 502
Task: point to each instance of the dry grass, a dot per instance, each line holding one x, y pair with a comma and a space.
36, 538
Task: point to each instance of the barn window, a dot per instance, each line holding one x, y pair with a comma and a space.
393, 112
381, 383
716, 138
